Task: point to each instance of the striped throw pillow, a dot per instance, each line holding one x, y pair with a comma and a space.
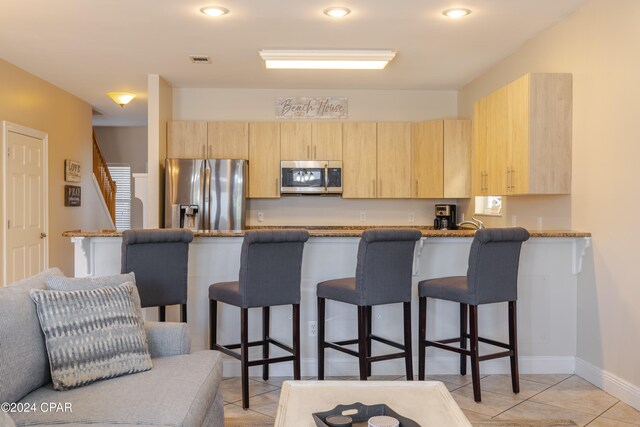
62, 283
91, 334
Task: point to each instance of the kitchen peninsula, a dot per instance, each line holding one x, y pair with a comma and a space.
547, 299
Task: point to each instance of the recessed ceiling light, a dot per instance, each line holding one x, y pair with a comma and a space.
456, 12
327, 59
337, 12
214, 10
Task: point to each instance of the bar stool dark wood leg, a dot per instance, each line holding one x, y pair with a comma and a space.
296, 341
369, 329
183, 313
422, 330
475, 361
265, 343
162, 313
513, 346
244, 355
362, 341
463, 338
321, 306
408, 352
213, 324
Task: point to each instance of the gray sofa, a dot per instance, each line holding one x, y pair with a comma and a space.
181, 389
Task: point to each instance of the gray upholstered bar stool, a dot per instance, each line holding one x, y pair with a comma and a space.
492, 276
383, 276
160, 261
270, 269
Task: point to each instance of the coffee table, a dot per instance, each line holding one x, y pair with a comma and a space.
428, 403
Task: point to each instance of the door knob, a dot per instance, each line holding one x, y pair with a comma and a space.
43, 235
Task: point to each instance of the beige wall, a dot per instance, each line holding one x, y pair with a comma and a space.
126, 145
599, 45
29, 101
159, 112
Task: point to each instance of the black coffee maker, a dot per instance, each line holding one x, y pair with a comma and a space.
445, 217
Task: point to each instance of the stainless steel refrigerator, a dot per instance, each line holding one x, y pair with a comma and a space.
205, 194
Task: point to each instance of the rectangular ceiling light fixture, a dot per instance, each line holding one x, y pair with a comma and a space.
327, 59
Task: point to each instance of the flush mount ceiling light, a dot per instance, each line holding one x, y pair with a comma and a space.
337, 12
327, 59
214, 10
456, 12
121, 98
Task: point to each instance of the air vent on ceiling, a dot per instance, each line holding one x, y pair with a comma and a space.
200, 59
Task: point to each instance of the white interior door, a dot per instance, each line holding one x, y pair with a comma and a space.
25, 203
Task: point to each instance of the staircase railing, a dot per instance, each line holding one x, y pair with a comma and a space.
106, 184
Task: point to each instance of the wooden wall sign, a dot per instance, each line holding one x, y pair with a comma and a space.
71, 171
72, 195
311, 108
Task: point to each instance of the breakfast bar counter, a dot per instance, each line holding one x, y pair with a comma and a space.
550, 267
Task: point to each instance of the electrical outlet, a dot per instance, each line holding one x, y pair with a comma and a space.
313, 328
412, 217
363, 216
260, 216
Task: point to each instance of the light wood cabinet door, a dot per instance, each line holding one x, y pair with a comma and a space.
228, 140
326, 140
295, 141
427, 159
186, 139
359, 156
394, 160
539, 155
457, 159
264, 160
497, 140
517, 165
479, 169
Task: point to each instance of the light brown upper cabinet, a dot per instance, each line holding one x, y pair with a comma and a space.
441, 156
540, 119
326, 141
295, 141
457, 159
427, 140
264, 159
523, 137
359, 156
228, 140
394, 160
311, 141
186, 139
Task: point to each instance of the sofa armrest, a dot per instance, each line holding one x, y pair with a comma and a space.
6, 420
167, 338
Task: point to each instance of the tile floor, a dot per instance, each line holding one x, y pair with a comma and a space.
541, 397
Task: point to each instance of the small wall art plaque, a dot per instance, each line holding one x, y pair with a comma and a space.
72, 195
71, 171
311, 108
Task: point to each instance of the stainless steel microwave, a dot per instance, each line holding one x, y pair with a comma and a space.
311, 177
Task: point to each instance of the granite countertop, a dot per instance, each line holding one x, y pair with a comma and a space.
337, 231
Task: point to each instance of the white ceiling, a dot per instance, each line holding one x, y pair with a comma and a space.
91, 47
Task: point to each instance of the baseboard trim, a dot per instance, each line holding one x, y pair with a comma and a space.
435, 366
609, 382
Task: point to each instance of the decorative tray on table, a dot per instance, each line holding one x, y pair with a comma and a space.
360, 414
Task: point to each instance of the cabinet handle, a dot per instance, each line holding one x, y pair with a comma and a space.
308, 151
512, 186
416, 188
277, 187
380, 185
204, 151
374, 188
507, 179
315, 152
486, 182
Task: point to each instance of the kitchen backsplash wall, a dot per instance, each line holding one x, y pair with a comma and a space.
321, 210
